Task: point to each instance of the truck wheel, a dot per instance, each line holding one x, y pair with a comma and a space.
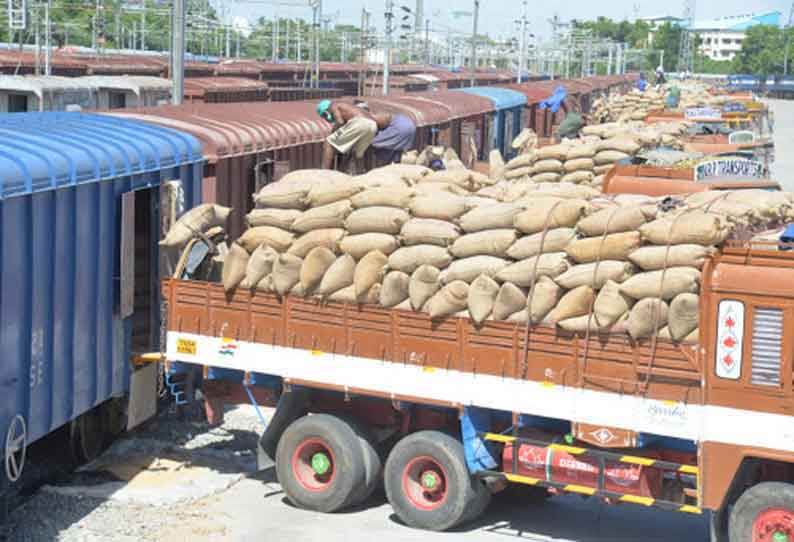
478, 506
319, 463
372, 462
428, 483
764, 513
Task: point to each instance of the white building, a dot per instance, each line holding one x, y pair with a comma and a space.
721, 39
656, 22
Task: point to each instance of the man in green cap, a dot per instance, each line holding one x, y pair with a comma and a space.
353, 130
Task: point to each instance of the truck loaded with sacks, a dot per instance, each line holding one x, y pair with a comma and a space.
450, 334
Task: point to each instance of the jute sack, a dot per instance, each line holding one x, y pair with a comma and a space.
616, 246
579, 164
694, 227
266, 284
578, 177
451, 299
509, 300
360, 245
433, 189
323, 194
468, 269
500, 215
314, 267
376, 220
521, 273
409, 259
410, 172
348, 295
683, 316
530, 245
234, 267
311, 177
395, 289
286, 273
643, 315
549, 213
521, 161
282, 195
603, 170
609, 157
460, 177
339, 275
496, 164
260, 264
383, 197
484, 243
580, 151
482, 294
495, 192
328, 238
518, 173
278, 239
369, 271
677, 280
425, 282
278, 218
651, 258
575, 303
198, 219
548, 177
595, 274
472, 202
611, 305
553, 152
542, 299
547, 166
579, 324
327, 216
518, 191
439, 206
429, 231
611, 220
624, 145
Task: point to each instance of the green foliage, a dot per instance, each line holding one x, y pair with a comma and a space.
763, 50
635, 34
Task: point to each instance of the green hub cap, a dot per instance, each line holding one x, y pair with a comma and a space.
430, 480
780, 536
320, 463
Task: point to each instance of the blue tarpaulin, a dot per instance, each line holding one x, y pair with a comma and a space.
554, 101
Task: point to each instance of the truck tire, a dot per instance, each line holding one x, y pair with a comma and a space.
373, 465
319, 463
428, 483
763, 511
478, 506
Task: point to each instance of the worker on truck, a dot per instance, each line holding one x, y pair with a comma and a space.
353, 130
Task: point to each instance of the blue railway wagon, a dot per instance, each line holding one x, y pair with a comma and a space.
507, 120
79, 260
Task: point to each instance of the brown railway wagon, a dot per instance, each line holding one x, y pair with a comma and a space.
225, 90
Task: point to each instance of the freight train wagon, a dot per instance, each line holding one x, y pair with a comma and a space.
504, 123
80, 220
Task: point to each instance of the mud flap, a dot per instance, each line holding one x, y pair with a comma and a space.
480, 455
143, 395
291, 406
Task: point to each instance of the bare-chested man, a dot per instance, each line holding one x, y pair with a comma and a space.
354, 129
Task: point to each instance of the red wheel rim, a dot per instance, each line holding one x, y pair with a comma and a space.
313, 465
425, 483
774, 525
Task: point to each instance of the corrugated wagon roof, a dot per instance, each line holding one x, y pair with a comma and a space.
45, 151
503, 98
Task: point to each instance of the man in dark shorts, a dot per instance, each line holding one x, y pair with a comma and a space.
353, 131
395, 135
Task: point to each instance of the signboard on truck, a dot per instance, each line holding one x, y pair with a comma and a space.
703, 113
730, 168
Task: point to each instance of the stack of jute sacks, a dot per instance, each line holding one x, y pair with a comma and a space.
634, 105
458, 244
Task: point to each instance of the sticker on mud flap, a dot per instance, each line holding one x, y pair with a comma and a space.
228, 348
186, 346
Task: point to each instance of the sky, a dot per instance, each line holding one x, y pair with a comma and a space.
498, 21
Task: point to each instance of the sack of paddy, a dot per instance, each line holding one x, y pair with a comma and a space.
484, 243
278, 239
340, 275
376, 220
579, 164
332, 215
409, 259
604, 158
472, 202
531, 245
610, 305
482, 294
286, 273
458, 177
665, 283
277, 218
424, 284
577, 152
521, 161
547, 166
652, 258
518, 191
399, 197
395, 289
360, 245
324, 194
544, 265
440, 206
468, 269
770, 204
310, 177
266, 284
553, 152
369, 271
683, 316
314, 267
611, 220
616, 246
497, 216
235, 265
348, 295
282, 195
566, 191
432, 189
603, 170
542, 299
595, 274
549, 213
578, 177
495, 192
575, 303
429, 231
644, 315
451, 299
260, 264
518, 173
197, 220
509, 300
496, 164
580, 324
690, 227
328, 238
410, 172
549, 177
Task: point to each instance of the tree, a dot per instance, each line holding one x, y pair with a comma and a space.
762, 51
668, 39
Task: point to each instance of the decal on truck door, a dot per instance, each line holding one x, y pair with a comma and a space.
730, 331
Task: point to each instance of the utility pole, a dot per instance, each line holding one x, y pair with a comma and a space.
178, 51
786, 30
609, 60
474, 43
237, 49
47, 34
143, 27
428, 59
387, 49
686, 46
522, 53
317, 43
273, 41
228, 40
